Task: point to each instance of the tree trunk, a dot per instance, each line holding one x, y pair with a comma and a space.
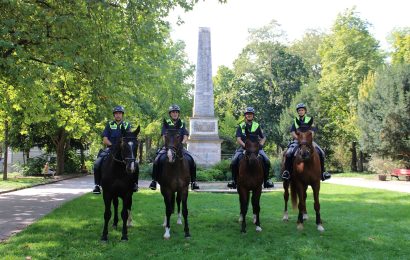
360, 163
6, 148
60, 142
353, 165
140, 150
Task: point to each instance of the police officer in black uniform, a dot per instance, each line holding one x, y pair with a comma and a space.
255, 129
174, 112
110, 135
302, 123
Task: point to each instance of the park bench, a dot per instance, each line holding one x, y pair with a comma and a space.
400, 172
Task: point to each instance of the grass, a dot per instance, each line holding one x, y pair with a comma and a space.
364, 175
18, 181
360, 224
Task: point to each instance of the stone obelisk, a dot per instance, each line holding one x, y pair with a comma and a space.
204, 142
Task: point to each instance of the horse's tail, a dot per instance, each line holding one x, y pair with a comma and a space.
293, 194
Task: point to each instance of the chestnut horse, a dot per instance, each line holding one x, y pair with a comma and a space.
174, 178
250, 178
117, 181
305, 171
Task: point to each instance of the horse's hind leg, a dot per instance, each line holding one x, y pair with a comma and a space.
169, 199
301, 206
107, 216
286, 199
256, 196
305, 215
317, 207
179, 221
184, 197
115, 203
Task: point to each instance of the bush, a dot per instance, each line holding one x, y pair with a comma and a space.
145, 171
35, 165
276, 164
72, 162
210, 174
384, 166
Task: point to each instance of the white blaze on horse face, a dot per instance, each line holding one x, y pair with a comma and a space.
169, 154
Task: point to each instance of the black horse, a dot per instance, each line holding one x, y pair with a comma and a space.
118, 171
174, 178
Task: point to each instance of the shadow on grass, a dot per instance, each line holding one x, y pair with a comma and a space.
359, 223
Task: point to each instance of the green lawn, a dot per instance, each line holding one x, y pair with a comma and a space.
17, 181
360, 224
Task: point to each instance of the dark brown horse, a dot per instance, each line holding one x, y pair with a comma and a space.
250, 178
306, 171
117, 181
174, 178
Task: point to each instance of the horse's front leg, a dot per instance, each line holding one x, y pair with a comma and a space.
317, 207
243, 200
169, 202
256, 196
115, 203
305, 215
179, 220
184, 196
301, 207
286, 199
107, 216
126, 202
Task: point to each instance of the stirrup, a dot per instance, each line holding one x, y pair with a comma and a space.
231, 185
286, 175
268, 184
153, 185
97, 190
326, 176
194, 186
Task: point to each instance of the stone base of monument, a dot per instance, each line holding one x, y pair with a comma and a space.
204, 143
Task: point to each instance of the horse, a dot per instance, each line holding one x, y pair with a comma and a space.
174, 178
305, 171
117, 181
250, 178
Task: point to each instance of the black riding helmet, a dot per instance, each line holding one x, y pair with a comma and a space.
300, 105
249, 110
118, 109
174, 107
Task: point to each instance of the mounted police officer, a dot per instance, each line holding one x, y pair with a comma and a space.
110, 135
255, 129
174, 112
302, 123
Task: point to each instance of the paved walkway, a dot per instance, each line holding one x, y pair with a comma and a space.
401, 186
23, 207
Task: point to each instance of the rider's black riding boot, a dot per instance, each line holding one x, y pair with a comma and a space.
97, 180
234, 170
192, 171
153, 184
266, 182
325, 175
288, 168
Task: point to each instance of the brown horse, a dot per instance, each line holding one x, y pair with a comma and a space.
306, 171
174, 178
250, 178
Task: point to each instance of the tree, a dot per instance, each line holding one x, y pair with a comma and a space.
401, 46
348, 54
383, 114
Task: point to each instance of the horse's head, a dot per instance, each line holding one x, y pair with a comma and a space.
252, 147
173, 140
305, 140
128, 149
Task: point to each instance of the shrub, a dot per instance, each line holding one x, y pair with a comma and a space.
384, 166
210, 174
276, 164
145, 171
35, 165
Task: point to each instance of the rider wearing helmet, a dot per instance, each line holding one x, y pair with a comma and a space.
254, 128
174, 112
110, 135
302, 123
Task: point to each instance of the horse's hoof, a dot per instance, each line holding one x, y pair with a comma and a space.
300, 226
167, 237
129, 225
124, 239
258, 229
243, 231
114, 227
104, 239
285, 219
187, 236
320, 228
305, 217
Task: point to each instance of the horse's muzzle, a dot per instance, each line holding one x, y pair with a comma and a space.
130, 165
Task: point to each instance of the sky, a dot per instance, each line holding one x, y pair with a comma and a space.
229, 23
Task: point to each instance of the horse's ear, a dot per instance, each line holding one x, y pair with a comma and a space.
164, 122
247, 132
123, 130
137, 131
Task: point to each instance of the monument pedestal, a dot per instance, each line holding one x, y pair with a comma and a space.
204, 143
